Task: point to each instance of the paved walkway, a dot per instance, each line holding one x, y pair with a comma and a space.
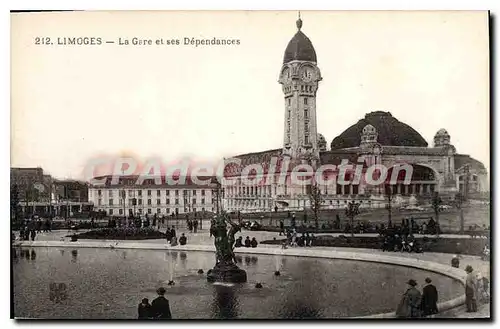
203, 241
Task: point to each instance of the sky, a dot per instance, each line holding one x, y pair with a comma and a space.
73, 103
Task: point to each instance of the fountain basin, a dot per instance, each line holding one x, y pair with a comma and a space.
307, 288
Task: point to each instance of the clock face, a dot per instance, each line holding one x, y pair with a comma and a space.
307, 74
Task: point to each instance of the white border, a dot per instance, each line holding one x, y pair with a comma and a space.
492, 5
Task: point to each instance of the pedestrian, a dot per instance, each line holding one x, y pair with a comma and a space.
253, 243
173, 241
33, 234
21, 233
455, 261
311, 240
168, 234
195, 225
160, 307
485, 292
26, 233
247, 242
429, 298
470, 290
182, 240
144, 309
282, 227
410, 304
39, 226
294, 238
172, 232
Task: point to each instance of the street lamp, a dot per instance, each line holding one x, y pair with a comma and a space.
388, 206
123, 195
459, 202
217, 192
436, 206
134, 203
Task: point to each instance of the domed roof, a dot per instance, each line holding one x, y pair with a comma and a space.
300, 48
369, 129
390, 132
442, 132
321, 142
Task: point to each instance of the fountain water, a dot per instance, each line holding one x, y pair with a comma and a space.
171, 269
277, 260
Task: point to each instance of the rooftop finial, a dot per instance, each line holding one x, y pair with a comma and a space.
299, 22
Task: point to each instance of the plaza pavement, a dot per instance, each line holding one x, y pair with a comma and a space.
203, 241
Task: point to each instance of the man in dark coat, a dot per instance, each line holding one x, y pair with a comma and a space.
160, 307
195, 225
429, 298
144, 309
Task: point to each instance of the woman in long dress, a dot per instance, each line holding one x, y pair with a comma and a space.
410, 304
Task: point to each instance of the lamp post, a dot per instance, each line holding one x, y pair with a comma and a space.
134, 203
388, 206
123, 196
461, 198
436, 205
459, 201
217, 192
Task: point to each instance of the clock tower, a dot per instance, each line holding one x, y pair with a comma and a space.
300, 77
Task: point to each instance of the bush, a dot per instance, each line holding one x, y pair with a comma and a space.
124, 233
442, 245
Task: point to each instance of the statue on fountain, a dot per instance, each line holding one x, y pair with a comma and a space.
225, 269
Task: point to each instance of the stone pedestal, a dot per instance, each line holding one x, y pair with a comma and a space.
226, 272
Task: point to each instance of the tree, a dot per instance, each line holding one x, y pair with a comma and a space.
316, 199
436, 206
351, 212
14, 203
459, 201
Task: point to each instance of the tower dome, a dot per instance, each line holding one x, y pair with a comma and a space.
300, 48
441, 138
368, 135
322, 143
369, 129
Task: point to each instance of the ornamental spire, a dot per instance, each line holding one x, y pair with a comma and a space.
299, 23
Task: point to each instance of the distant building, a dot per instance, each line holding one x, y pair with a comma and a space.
32, 184
127, 197
40, 194
377, 139
71, 190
